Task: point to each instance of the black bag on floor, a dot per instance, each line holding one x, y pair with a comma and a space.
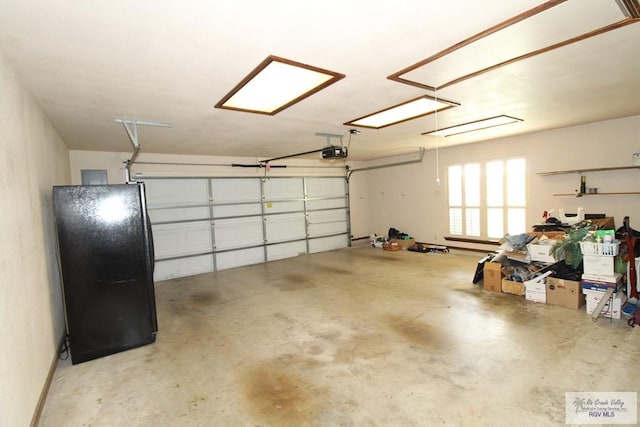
396, 234
635, 319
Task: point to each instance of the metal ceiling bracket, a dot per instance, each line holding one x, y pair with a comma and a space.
329, 136
131, 127
132, 131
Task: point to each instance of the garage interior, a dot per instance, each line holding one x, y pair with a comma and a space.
273, 308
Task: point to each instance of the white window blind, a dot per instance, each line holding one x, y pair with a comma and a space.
472, 199
455, 200
487, 200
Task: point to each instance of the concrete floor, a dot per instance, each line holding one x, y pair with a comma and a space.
355, 337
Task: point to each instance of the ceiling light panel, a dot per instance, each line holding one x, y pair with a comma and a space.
630, 8
473, 126
277, 83
402, 112
533, 31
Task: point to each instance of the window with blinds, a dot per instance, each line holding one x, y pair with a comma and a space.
487, 200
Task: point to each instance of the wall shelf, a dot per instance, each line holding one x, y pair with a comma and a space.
581, 171
597, 194
590, 170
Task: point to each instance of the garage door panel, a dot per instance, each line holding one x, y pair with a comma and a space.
237, 210
286, 250
326, 187
327, 222
328, 243
170, 240
172, 192
238, 232
236, 190
285, 227
179, 214
207, 224
284, 206
182, 267
239, 258
327, 204
283, 188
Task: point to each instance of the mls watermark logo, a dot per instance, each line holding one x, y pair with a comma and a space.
595, 407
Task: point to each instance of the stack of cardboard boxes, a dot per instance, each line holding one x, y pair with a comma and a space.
599, 275
551, 290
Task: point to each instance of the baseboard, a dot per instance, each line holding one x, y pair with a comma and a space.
47, 384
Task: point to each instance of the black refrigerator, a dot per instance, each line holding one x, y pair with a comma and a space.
106, 257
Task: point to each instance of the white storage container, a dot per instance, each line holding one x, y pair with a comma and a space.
592, 299
541, 253
536, 289
535, 294
598, 264
592, 248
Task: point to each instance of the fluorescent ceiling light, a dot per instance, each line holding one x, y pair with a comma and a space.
402, 112
523, 36
473, 126
276, 84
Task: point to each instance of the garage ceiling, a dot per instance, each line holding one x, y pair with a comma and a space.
551, 64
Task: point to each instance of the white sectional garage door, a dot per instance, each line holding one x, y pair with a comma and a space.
208, 224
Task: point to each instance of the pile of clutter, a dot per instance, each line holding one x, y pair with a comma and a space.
397, 240
584, 267
394, 241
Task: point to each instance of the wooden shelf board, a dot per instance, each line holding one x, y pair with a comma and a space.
587, 170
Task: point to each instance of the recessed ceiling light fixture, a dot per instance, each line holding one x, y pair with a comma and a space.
275, 84
473, 126
408, 110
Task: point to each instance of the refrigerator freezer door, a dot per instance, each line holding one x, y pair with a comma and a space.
106, 268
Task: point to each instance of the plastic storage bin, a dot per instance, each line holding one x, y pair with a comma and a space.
601, 249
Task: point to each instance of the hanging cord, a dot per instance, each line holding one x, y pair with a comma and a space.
435, 95
64, 351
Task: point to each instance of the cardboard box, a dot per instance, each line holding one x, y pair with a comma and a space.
557, 235
603, 277
492, 273
404, 244
536, 292
511, 287
606, 223
566, 293
541, 253
601, 283
599, 264
593, 298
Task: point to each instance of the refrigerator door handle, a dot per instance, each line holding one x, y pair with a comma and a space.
152, 251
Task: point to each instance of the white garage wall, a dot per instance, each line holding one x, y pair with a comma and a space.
33, 158
193, 166
409, 199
